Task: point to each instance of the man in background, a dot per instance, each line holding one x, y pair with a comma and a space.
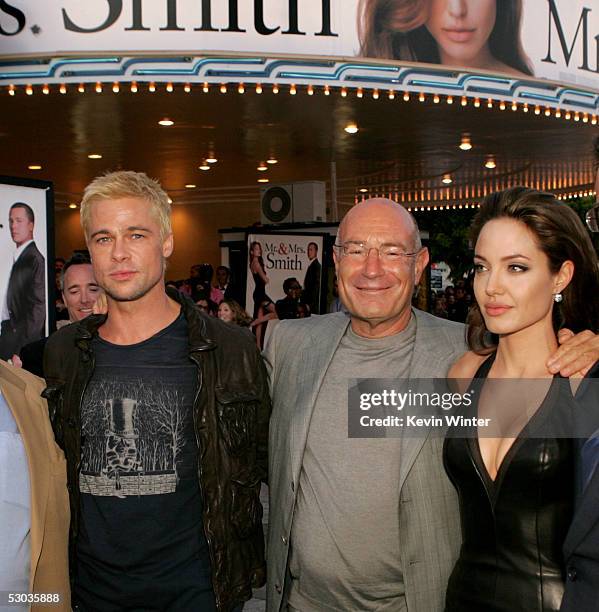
24, 305
287, 307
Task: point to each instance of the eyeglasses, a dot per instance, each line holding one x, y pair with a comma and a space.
359, 251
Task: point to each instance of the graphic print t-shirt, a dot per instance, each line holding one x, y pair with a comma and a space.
141, 544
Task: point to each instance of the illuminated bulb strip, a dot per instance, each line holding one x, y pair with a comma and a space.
490, 103
241, 88
476, 103
436, 99
292, 90
310, 90
449, 99
327, 90
502, 105
258, 88
223, 88
29, 90
134, 88
391, 95
359, 93
45, 90
62, 89
406, 96
205, 88
152, 87
11, 90
375, 94
421, 97
464, 101
343, 92
169, 87
98, 87
81, 88
275, 89
116, 88
187, 88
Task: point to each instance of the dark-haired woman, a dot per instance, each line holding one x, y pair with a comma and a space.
263, 305
535, 271
483, 34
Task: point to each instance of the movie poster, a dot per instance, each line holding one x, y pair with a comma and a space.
275, 258
26, 249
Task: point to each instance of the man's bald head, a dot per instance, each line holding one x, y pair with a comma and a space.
379, 259
365, 212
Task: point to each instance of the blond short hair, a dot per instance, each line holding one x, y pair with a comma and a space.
127, 184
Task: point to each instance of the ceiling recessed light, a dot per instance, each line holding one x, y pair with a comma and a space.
447, 180
166, 122
263, 180
34, 167
204, 167
190, 186
262, 167
352, 128
94, 156
490, 163
363, 190
272, 160
466, 143
211, 160
73, 205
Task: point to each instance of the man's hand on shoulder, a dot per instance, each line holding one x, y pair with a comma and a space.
576, 355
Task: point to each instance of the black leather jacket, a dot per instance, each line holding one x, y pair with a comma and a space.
231, 418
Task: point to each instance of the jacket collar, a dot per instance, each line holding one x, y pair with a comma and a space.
87, 329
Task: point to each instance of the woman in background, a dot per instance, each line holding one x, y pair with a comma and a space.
230, 311
535, 272
483, 34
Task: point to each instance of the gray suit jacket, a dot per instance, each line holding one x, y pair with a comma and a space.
297, 358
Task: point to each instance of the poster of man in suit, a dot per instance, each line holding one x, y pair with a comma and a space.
24, 315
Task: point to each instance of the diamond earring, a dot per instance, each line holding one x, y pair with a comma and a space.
557, 298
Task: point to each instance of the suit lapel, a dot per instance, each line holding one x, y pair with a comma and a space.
14, 392
430, 360
314, 359
585, 516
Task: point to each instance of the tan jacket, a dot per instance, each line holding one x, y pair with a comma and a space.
47, 475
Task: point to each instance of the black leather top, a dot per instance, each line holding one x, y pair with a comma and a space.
514, 527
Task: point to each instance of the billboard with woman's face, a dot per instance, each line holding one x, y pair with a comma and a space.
554, 39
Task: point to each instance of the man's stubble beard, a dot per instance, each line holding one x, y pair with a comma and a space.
137, 295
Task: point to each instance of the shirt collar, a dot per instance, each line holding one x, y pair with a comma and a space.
21, 249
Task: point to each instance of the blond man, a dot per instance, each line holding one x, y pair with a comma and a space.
162, 412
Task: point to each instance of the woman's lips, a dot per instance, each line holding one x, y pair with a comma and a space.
459, 35
495, 310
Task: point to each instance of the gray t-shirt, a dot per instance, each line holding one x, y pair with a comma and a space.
345, 536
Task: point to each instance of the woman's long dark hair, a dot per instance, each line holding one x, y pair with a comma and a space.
561, 235
394, 29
